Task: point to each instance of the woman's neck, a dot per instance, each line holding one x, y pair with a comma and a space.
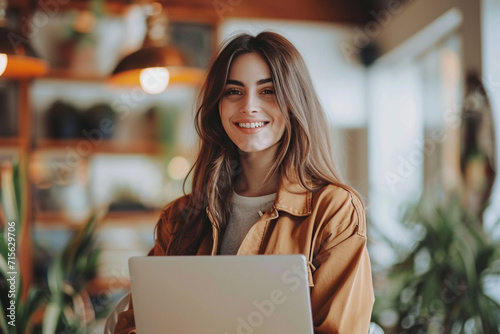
255, 168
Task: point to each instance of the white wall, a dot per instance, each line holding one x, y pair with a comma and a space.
397, 118
339, 82
395, 154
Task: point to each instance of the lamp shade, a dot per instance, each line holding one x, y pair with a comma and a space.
17, 59
165, 66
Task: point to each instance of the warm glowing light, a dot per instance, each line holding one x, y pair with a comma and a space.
178, 168
154, 80
3, 63
17, 67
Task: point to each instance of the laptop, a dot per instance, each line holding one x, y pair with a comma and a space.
249, 294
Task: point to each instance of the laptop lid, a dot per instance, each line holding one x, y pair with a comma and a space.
221, 294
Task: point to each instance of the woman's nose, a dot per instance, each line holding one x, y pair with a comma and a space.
250, 104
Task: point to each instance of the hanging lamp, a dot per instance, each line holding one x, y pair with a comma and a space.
17, 58
158, 63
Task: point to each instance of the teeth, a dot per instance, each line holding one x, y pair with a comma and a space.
251, 125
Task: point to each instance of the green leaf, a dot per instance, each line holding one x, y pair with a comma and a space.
35, 299
3, 319
51, 318
460, 254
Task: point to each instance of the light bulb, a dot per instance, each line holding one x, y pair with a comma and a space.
154, 80
3, 63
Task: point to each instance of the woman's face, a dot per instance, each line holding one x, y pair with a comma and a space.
248, 108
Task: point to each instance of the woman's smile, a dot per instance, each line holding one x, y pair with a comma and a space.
251, 125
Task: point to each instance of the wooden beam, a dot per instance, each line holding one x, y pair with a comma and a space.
315, 10
341, 11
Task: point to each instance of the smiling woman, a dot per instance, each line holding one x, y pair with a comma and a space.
265, 182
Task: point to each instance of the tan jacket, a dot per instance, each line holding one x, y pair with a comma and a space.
327, 226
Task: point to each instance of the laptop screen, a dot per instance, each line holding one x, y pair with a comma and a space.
221, 294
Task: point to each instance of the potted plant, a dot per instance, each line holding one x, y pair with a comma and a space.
64, 302
15, 312
439, 285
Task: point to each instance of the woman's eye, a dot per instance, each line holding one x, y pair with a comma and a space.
232, 92
267, 91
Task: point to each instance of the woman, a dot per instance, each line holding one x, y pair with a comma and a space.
265, 182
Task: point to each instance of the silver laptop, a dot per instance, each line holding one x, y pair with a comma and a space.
221, 294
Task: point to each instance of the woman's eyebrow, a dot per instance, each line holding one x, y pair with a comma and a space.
263, 81
239, 83
235, 82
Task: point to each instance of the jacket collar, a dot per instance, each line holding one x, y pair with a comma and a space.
293, 198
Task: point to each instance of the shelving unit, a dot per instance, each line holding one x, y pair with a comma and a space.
146, 147
48, 149
127, 219
56, 208
65, 74
135, 226
123, 233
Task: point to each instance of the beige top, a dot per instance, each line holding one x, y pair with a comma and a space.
245, 211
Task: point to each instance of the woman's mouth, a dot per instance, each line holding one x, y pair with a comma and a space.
251, 125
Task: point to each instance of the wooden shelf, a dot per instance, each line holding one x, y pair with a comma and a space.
55, 220
9, 142
67, 74
88, 147
115, 7
122, 219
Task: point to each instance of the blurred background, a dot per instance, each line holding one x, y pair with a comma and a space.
97, 99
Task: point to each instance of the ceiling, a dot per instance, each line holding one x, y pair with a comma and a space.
314, 10
341, 11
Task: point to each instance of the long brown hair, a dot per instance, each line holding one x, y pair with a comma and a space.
304, 152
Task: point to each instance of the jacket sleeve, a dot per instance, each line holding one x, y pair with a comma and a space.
342, 297
125, 323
